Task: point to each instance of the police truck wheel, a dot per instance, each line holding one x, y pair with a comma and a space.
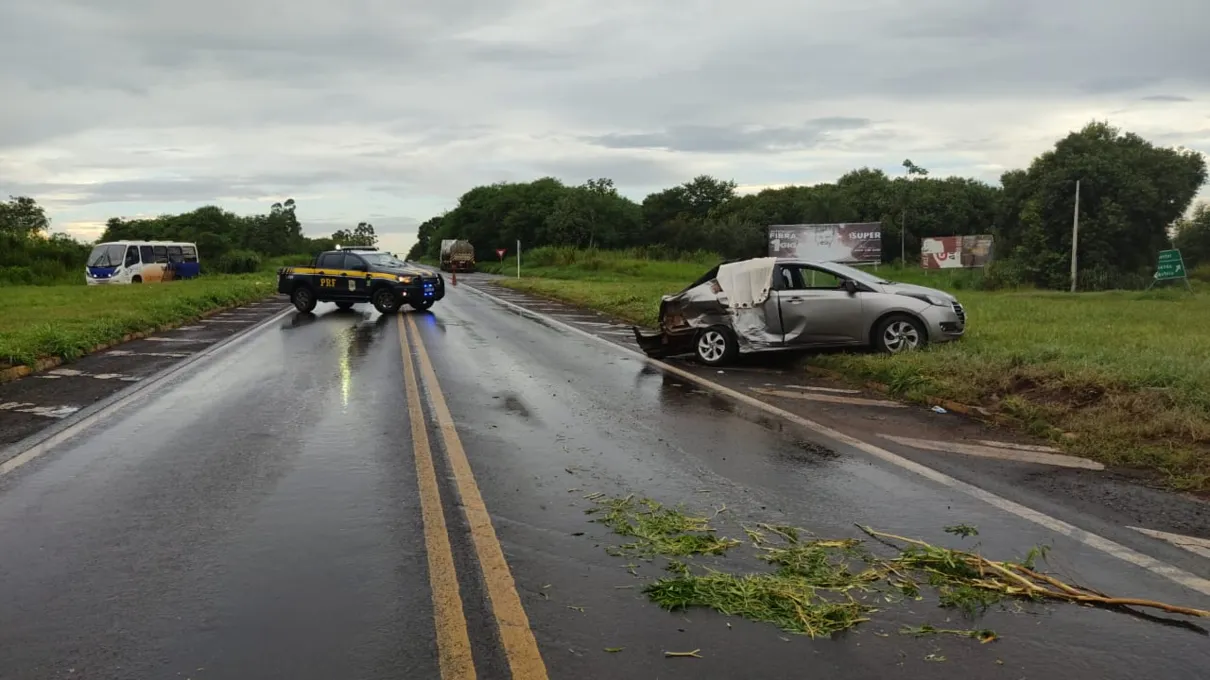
344, 305
422, 305
385, 302
303, 299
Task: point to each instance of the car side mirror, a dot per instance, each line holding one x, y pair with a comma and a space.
851, 286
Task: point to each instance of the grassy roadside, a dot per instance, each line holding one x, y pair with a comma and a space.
1120, 377
38, 322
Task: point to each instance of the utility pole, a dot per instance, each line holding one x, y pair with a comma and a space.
1075, 236
518, 258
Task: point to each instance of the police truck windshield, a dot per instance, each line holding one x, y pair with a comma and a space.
106, 255
382, 260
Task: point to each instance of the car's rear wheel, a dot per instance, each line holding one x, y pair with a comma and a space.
898, 334
422, 305
303, 299
344, 305
385, 302
716, 346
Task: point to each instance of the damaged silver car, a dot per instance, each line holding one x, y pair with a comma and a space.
768, 304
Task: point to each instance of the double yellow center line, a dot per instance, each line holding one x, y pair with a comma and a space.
453, 643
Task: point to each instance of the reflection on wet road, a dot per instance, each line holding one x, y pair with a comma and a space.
272, 514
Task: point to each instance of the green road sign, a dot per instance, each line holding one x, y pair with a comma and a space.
1170, 266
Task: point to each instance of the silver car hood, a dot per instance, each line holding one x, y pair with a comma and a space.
912, 289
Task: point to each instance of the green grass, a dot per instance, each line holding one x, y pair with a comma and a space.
67, 321
1122, 377
818, 587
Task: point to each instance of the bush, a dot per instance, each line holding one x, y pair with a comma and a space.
1201, 273
1005, 274
238, 262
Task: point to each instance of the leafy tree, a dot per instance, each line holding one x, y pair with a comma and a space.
1193, 237
1131, 191
218, 232
21, 216
592, 215
29, 255
424, 236
361, 235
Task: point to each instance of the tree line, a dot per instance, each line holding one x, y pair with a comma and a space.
1133, 195
28, 254
228, 243
237, 243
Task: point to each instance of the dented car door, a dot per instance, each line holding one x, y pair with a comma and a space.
816, 309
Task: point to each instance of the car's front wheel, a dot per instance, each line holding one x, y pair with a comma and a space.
898, 334
716, 346
303, 299
385, 302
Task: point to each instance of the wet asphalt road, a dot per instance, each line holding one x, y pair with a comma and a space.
260, 518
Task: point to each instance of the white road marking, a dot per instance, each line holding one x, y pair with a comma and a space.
983, 451
1197, 546
835, 390
1019, 447
829, 398
222, 321
34, 409
127, 353
181, 340
1112, 548
190, 328
60, 373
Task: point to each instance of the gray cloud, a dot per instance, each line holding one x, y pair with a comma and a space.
173, 190
1174, 98
397, 108
717, 139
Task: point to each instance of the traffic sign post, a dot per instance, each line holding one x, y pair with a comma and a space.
1170, 266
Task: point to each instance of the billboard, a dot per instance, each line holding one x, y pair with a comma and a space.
846, 243
956, 252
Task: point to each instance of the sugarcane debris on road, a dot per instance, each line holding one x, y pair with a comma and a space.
818, 587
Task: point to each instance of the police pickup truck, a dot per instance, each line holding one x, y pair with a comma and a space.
352, 275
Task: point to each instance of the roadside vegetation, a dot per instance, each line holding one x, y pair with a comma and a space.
1115, 373
820, 586
38, 322
1135, 201
47, 311
1122, 377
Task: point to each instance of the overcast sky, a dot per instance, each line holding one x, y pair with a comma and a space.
387, 111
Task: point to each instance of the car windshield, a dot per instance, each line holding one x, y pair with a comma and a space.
382, 260
855, 273
106, 255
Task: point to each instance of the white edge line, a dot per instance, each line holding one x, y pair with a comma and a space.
1124, 553
1195, 545
138, 391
